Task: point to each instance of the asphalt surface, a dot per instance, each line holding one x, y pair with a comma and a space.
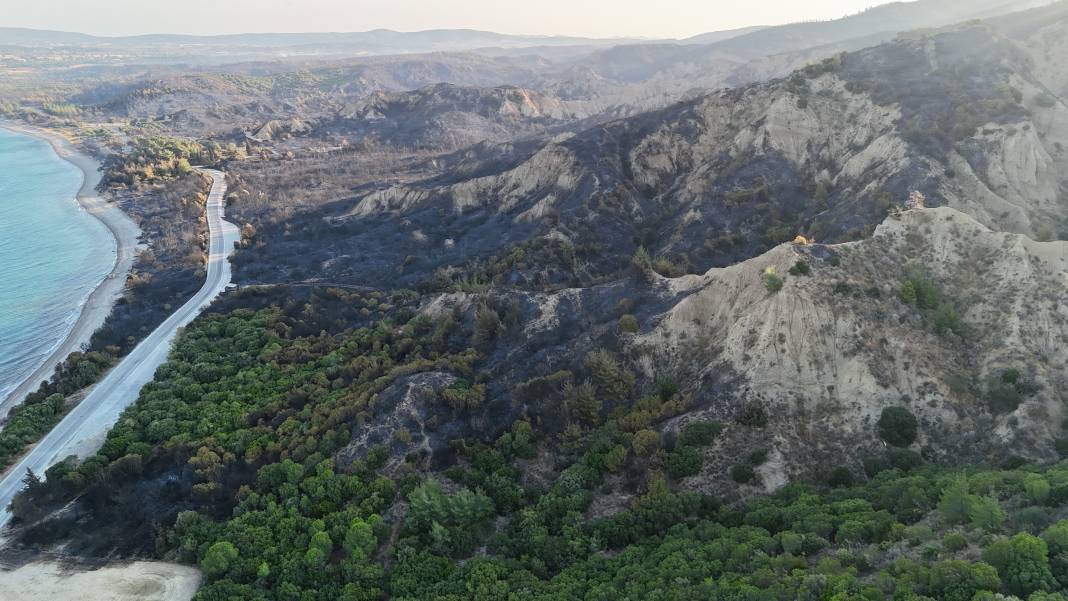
83, 430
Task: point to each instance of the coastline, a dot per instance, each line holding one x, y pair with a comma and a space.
96, 308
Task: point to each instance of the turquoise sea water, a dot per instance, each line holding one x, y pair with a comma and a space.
52, 254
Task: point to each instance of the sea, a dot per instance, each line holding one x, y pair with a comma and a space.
53, 254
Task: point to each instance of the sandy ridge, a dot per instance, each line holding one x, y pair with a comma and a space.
100, 302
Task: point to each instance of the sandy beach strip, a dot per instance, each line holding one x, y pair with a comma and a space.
137, 581
101, 301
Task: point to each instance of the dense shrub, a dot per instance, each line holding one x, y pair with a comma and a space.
629, 324
1022, 562
685, 462
753, 415
898, 426
840, 477
773, 281
701, 433
743, 473
801, 267
1006, 391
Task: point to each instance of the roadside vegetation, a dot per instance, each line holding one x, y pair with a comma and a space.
155, 158
164, 276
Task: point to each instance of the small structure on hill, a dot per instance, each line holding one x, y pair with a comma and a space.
916, 200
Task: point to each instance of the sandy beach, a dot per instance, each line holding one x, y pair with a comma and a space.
100, 302
138, 581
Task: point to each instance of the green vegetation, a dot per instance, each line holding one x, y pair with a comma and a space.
920, 291
898, 426
700, 434
773, 281
462, 396
801, 268
254, 407
60, 109
827, 65
43, 409
687, 459
153, 158
743, 473
685, 462
629, 324
1005, 392
150, 159
530, 257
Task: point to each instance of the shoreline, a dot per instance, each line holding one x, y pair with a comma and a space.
98, 305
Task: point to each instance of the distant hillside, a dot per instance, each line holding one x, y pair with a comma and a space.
897, 16
378, 41
634, 63
449, 117
719, 36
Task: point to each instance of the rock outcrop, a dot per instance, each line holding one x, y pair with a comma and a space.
829, 351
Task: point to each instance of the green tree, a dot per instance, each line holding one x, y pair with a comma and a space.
898, 426
685, 461
1043, 596
1022, 562
645, 442
613, 381
1037, 489
955, 503
488, 326
986, 513
1056, 537
954, 541
743, 473
218, 559
360, 539
582, 404
791, 542
960, 580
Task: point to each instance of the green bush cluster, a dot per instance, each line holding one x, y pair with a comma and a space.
1007, 390
773, 281
801, 267
920, 291
42, 409
898, 426
687, 459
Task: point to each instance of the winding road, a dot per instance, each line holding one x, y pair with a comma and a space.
82, 431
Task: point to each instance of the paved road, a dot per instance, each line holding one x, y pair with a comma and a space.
83, 430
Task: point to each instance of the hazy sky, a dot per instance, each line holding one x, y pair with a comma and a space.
600, 18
